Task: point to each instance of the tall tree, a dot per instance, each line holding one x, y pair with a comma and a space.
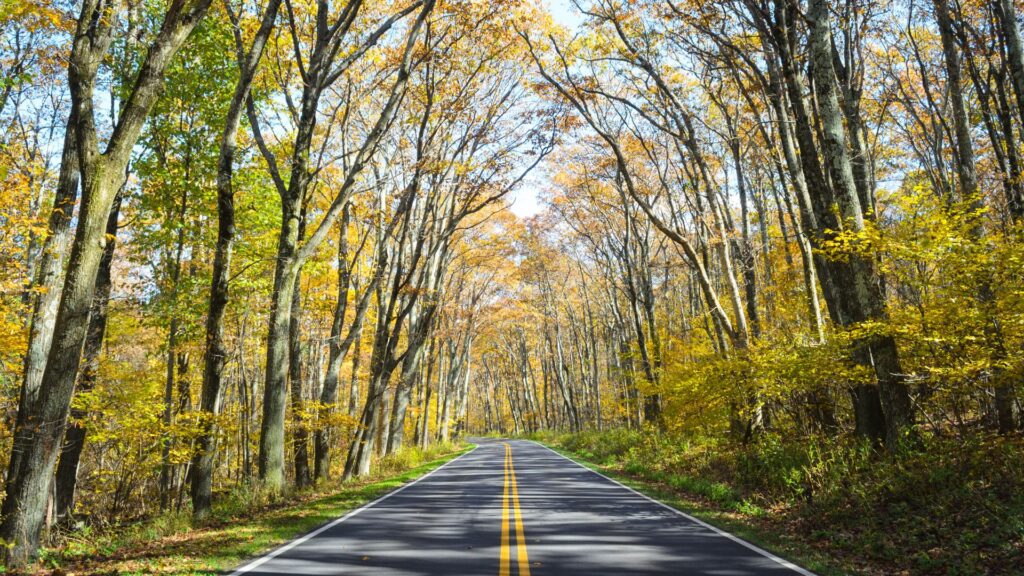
37, 439
216, 351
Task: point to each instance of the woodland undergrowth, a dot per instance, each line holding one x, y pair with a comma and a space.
943, 506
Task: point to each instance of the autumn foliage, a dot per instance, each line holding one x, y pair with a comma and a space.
249, 248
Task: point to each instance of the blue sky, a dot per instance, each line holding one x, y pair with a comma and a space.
564, 12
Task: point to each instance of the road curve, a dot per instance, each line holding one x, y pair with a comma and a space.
517, 508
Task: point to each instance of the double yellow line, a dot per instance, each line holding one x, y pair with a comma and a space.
522, 560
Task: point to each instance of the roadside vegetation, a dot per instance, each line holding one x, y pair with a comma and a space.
947, 506
244, 524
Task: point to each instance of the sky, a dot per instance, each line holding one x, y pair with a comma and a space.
525, 201
564, 12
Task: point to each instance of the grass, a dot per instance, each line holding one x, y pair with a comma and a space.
711, 502
950, 508
237, 531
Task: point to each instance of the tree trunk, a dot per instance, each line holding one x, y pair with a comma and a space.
74, 437
862, 288
424, 433
275, 392
166, 469
49, 281
420, 323
300, 439
382, 364
289, 257
353, 385
1006, 11
329, 393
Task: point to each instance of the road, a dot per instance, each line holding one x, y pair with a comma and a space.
517, 508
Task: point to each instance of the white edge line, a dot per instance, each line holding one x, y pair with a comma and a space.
252, 565
720, 532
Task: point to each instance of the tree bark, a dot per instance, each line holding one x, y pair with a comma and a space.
1006, 12
48, 283
300, 436
74, 438
166, 468
275, 391
353, 385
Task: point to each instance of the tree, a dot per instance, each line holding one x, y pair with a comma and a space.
318, 74
37, 439
216, 353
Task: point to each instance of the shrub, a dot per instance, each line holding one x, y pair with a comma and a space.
943, 506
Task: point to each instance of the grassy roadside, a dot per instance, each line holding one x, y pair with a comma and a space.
704, 508
235, 533
946, 509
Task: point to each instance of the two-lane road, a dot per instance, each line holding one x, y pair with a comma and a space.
517, 509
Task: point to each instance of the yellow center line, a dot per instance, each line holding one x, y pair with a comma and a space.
504, 566
522, 559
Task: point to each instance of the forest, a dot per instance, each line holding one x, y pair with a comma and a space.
768, 254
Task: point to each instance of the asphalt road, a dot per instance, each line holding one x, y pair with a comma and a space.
517, 509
